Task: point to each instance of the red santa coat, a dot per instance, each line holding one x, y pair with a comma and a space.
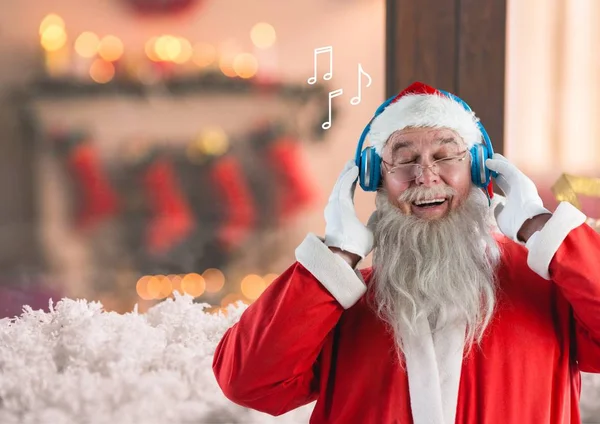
312, 336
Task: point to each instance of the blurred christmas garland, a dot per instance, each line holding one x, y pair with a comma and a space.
206, 196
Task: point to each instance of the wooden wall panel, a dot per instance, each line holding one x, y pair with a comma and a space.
424, 47
454, 45
481, 63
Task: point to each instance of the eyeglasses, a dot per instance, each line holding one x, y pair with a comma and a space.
405, 172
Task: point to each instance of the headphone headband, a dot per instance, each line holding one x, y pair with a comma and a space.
369, 161
367, 129
486, 137
384, 105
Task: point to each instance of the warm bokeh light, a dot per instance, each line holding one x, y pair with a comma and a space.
214, 141
111, 48
263, 35
87, 44
269, 278
227, 52
204, 54
141, 288
232, 298
226, 66
245, 65
102, 71
57, 62
51, 20
150, 49
154, 287
164, 287
252, 286
193, 284
176, 283
214, 279
53, 38
167, 48
185, 53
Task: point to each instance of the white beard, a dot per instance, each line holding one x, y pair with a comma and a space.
436, 268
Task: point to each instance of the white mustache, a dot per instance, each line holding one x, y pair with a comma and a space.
414, 194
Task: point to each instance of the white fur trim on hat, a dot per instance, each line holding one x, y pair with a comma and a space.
424, 110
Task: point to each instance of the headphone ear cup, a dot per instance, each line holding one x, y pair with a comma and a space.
480, 175
375, 170
476, 175
369, 171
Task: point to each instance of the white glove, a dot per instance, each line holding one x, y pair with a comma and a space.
522, 199
343, 229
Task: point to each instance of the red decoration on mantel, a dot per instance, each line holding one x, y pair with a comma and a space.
240, 214
98, 199
295, 190
159, 7
172, 219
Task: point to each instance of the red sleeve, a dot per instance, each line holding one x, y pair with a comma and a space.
268, 361
575, 268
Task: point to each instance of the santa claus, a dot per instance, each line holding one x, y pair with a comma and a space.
456, 322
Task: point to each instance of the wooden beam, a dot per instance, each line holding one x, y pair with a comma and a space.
454, 45
481, 63
422, 41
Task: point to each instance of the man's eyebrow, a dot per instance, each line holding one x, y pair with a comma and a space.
447, 140
401, 144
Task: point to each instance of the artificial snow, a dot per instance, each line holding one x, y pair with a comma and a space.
80, 365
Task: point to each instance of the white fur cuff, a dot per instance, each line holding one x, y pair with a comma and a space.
543, 244
331, 270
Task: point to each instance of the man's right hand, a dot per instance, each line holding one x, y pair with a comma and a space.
343, 229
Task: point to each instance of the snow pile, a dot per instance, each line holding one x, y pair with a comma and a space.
79, 364
590, 398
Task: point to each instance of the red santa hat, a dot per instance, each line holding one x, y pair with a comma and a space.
420, 105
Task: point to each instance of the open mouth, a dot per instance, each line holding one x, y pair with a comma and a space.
429, 203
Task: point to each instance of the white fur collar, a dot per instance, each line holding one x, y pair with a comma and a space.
433, 364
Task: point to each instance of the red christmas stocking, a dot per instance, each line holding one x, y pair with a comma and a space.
98, 199
294, 191
240, 214
172, 220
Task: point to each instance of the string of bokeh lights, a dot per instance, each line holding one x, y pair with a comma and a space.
211, 281
100, 56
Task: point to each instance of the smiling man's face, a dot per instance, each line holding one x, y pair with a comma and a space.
435, 189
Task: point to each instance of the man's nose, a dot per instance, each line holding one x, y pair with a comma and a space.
428, 176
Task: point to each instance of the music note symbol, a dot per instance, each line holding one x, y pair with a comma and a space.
326, 125
327, 76
356, 100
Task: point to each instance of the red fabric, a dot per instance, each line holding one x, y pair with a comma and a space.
294, 190
490, 190
240, 213
98, 199
172, 220
296, 344
416, 88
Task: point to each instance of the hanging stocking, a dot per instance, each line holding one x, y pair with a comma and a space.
294, 191
239, 214
172, 220
98, 199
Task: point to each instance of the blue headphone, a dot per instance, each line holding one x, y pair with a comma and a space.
369, 162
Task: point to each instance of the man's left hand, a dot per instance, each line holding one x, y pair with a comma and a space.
522, 199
